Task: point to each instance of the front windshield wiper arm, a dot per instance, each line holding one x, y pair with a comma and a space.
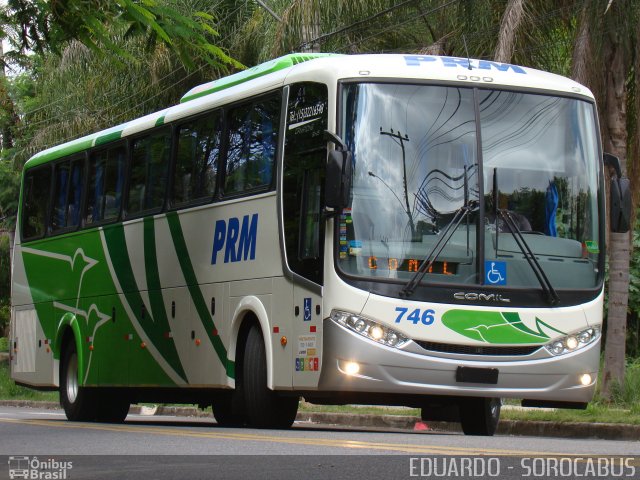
435, 252
549, 291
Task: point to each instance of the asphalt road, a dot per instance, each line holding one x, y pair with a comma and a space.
176, 447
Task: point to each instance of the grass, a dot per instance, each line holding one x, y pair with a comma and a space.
595, 413
10, 391
362, 410
4, 344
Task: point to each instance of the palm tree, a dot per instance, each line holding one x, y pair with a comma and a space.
606, 36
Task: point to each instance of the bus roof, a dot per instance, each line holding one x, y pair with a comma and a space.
309, 67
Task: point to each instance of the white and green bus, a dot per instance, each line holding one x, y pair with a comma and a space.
380, 229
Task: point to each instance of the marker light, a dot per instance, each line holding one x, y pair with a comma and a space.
369, 329
573, 342
585, 379
351, 368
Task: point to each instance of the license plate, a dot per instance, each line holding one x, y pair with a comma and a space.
477, 375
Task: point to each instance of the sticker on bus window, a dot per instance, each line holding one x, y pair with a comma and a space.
592, 246
495, 273
307, 309
355, 248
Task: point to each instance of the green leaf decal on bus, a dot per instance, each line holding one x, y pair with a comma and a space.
182, 252
154, 324
497, 327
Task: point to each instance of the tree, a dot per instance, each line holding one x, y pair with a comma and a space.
40, 26
511, 20
606, 36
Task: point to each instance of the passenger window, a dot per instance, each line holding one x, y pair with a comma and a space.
253, 140
61, 182
35, 202
106, 183
197, 160
76, 188
149, 165
67, 197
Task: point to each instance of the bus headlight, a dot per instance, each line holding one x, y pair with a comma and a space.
573, 342
370, 329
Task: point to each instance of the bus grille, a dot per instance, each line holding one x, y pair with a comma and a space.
477, 349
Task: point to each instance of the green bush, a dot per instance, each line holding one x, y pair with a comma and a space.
5, 314
4, 344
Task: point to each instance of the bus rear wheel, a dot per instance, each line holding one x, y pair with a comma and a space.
480, 416
111, 407
77, 401
227, 408
264, 408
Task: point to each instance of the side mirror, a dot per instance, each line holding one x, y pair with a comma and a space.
619, 197
337, 191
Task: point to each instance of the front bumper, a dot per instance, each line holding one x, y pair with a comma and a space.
413, 370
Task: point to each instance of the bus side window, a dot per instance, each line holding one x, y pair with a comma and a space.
61, 183
253, 138
67, 197
76, 187
149, 166
35, 202
106, 181
196, 168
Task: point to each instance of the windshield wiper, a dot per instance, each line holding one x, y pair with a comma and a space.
435, 252
549, 291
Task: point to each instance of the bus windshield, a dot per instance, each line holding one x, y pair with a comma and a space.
422, 153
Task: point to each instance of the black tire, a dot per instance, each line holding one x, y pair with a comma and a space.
480, 416
111, 407
78, 402
228, 408
264, 408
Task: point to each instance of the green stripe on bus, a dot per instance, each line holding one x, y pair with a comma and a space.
160, 121
109, 137
254, 72
231, 369
160, 322
192, 283
117, 245
59, 152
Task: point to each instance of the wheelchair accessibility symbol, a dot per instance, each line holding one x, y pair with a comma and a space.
495, 273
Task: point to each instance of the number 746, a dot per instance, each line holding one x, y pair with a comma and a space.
427, 317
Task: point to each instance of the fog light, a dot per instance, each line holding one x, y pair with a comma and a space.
351, 368
585, 379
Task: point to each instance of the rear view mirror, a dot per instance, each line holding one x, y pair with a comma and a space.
338, 177
619, 197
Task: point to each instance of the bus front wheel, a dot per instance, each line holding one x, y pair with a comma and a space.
265, 408
480, 416
76, 400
